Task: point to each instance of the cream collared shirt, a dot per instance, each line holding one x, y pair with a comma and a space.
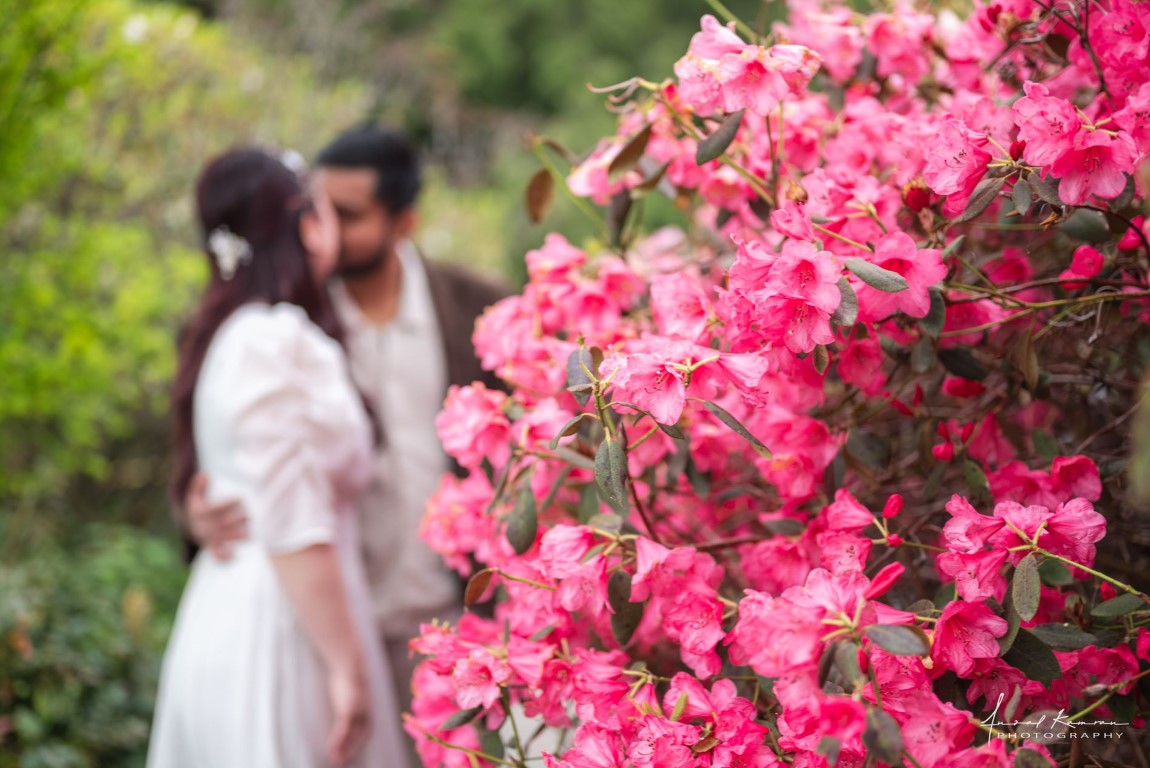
402, 369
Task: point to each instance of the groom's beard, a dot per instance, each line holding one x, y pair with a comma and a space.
364, 268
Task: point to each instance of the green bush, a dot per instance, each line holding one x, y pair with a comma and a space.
81, 638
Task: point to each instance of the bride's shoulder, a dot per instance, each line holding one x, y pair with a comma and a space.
261, 333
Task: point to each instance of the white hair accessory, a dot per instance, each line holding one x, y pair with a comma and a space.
293, 161
229, 250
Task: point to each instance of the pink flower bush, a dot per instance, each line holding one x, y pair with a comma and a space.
710, 516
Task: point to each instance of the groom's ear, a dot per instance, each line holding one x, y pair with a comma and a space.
309, 232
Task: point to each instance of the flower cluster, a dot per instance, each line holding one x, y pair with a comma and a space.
710, 513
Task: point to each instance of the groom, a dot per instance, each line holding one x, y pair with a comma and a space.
408, 324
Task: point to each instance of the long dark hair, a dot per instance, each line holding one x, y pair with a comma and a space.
254, 195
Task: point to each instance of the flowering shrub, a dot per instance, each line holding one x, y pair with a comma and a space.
813, 482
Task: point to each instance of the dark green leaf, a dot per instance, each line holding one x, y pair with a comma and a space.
953, 246
1033, 658
1063, 637
935, 318
1013, 623
882, 737
491, 743
627, 615
1046, 189
578, 382
540, 194
961, 362
847, 312
606, 521
588, 503
1125, 197
975, 479
922, 356
1055, 574
716, 144
460, 718
876, 276
830, 747
1022, 196
629, 155
1087, 226
543, 633
1119, 606
846, 662
722, 415
945, 595
611, 474
1026, 588
570, 428
672, 431
574, 458
899, 639
1028, 758
523, 523
982, 196
785, 526
1046, 447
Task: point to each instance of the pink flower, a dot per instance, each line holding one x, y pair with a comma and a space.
478, 677
795, 635
860, 364
1072, 476
846, 513
792, 220
967, 530
966, 632
653, 383
1047, 124
921, 268
1073, 530
1096, 166
956, 162
1086, 263
695, 621
977, 576
472, 425
680, 306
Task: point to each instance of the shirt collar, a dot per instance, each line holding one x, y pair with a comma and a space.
414, 312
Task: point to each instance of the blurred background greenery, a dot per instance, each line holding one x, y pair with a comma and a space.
108, 108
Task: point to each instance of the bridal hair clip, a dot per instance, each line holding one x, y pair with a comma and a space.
293, 161
229, 250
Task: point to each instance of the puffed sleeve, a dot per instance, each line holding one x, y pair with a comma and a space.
278, 433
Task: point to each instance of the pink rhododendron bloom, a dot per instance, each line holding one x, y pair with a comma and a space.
956, 162
478, 678
680, 306
793, 221
1047, 124
1095, 166
860, 364
977, 576
966, 632
472, 425
921, 268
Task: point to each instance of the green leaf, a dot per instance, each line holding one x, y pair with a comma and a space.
716, 144
588, 502
611, 474
578, 382
785, 526
629, 155
876, 276
724, 416
1026, 588
1013, 624
543, 633
1119, 606
982, 196
460, 718
1033, 658
1028, 758
672, 431
899, 639
570, 428
961, 362
935, 318
1046, 189
830, 747
1055, 574
922, 356
882, 738
1087, 226
1063, 637
847, 312
1022, 196
574, 458
680, 707
953, 246
1047, 448
1125, 197
490, 742
523, 523
627, 615
975, 479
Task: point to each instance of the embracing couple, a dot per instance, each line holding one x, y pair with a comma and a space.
308, 382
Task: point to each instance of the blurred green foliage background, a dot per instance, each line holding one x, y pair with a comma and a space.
108, 108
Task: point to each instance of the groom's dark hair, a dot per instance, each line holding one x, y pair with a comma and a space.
389, 153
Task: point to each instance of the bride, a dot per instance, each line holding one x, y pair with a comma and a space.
272, 661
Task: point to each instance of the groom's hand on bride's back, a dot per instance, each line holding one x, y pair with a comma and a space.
215, 526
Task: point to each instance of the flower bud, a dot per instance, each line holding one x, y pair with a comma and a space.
892, 507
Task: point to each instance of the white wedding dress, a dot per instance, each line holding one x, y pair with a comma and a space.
278, 425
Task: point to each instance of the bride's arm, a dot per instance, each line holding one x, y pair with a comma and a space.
311, 580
